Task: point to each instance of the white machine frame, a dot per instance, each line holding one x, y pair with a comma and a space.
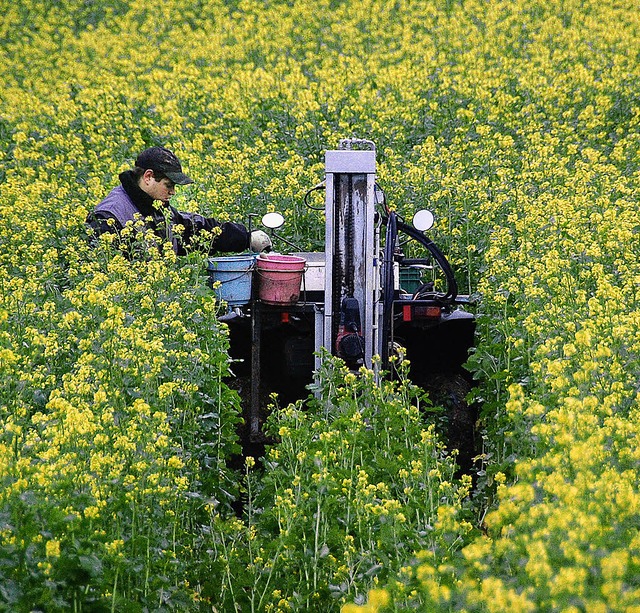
351, 245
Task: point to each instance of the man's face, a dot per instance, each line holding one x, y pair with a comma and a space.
161, 189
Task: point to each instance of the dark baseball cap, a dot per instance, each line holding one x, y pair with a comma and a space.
160, 159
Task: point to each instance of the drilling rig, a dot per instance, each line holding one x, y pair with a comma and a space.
360, 298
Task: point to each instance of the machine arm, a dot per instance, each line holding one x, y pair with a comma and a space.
394, 225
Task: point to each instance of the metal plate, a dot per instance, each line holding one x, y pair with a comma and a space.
339, 161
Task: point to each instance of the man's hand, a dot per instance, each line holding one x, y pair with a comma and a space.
259, 241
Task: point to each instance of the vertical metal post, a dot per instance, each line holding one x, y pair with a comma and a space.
254, 409
351, 261
319, 333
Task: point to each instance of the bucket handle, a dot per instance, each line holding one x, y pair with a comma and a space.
242, 274
229, 280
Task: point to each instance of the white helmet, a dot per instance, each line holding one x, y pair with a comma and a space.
259, 241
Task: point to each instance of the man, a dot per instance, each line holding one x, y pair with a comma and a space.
153, 179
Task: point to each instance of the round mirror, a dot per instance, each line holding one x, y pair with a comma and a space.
423, 220
272, 220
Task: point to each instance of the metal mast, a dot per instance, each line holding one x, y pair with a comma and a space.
351, 261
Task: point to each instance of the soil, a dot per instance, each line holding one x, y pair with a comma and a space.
450, 391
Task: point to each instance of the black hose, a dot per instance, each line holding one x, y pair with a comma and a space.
418, 235
306, 197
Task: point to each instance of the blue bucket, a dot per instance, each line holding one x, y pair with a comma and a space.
234, 274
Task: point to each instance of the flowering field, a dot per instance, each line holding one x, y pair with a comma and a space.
516, 122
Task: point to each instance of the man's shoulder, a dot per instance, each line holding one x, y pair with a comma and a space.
117, 193
118, 205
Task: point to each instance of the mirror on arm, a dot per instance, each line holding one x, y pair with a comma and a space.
272, 220
423, 220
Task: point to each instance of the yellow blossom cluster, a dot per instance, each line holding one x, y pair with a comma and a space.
515, 121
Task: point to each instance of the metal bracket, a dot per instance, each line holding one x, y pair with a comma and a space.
349, 143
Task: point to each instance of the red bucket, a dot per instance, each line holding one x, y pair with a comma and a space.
279, 277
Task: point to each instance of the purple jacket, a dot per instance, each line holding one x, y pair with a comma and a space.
125, 201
